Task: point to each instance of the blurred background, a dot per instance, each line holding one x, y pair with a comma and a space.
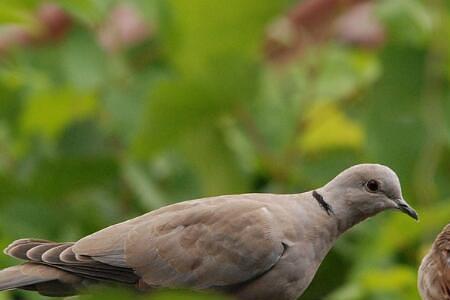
109, 109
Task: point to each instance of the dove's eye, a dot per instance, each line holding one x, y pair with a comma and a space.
372, 186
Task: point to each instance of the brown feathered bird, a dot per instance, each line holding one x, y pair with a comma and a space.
252, 246
434, 272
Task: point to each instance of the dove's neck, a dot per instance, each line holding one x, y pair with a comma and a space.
342, 214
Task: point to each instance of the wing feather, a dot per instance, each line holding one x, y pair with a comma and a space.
201, 243
206, 246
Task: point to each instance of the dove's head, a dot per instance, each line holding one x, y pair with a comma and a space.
367, 189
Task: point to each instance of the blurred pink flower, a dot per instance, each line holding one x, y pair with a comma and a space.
52, 23
12, 36
312, 22
359, 26
54, 20
123, 28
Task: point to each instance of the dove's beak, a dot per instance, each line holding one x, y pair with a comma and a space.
403, 206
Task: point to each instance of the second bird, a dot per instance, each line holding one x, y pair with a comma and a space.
434, 272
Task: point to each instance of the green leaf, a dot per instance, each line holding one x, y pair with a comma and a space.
342, 72
328, 128
213, 162
49, 112
83, 61
408, 21
180, 106
393, 116
204, 31
17, 12
91, 12
141, 184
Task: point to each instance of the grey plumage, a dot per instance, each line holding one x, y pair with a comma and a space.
48, 281
252, 246
434, 271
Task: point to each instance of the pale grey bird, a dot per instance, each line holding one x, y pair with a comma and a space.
252, 246
434, 271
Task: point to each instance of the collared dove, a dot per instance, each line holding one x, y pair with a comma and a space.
251, 246
434, 271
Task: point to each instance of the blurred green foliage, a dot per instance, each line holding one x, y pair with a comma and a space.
90, 136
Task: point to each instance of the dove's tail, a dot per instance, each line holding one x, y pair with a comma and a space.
53, 269
44, 279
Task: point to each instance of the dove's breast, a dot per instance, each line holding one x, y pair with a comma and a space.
307, 242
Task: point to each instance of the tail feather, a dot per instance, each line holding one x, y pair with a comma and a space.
35, 254
46, 280
60, 256
14, 277
51, 256
20, 250
21, 242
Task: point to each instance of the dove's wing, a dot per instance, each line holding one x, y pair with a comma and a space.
199, 244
